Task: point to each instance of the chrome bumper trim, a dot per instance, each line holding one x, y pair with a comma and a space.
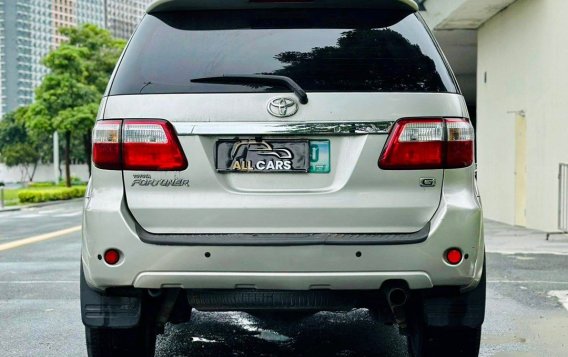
266, 128
279, 280
283, 239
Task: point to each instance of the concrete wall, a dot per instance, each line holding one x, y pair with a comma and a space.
43, 173
523, 65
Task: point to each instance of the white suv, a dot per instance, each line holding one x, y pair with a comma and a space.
275, 155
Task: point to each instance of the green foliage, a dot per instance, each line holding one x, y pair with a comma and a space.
19, 147
19, 154
75, 181
44, 195
41, 184
12, 129
103, 52
67, 100
80, 118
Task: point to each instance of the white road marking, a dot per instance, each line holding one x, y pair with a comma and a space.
526, 282
562, 296
65, 215
27, 216
48, 211
40, 238
524, 258
528, 252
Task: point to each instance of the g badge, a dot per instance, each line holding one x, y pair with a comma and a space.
427, 182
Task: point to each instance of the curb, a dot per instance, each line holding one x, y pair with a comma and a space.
38, 205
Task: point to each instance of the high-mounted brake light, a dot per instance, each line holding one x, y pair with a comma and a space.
421, 144
138, 145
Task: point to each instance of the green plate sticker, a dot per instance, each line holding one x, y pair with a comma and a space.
320, 156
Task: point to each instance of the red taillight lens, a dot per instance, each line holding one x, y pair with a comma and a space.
421, 144
106, 145
151, 146
460, 137
145, 145
415, 145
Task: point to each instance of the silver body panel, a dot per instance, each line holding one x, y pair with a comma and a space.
251, 107
108, 223
355, 197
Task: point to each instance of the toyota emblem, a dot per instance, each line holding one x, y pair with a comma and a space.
282, 107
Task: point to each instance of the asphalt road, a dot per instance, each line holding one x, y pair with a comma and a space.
39, 307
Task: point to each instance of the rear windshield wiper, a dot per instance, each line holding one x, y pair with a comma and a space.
260, 79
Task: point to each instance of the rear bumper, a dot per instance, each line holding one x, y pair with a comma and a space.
457, 223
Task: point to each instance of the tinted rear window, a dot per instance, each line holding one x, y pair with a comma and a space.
321, 50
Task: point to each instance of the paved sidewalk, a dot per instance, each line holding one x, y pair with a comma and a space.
505, 239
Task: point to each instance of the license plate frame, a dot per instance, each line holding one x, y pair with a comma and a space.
262, 155
308, 156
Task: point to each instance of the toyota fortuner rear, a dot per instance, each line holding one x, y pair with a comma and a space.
276, 155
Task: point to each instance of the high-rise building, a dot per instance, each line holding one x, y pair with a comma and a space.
29, 30
124, 15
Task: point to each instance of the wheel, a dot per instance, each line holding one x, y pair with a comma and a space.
137, 341
454, 340
440, 342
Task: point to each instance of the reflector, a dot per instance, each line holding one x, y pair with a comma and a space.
454, 256
112, 256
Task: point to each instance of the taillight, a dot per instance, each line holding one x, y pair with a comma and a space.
421, 144
106, 145
460, 137
151, 146
138, 145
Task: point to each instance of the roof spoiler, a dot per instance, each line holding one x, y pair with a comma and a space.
172, 5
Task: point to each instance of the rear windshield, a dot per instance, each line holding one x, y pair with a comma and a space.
321, 50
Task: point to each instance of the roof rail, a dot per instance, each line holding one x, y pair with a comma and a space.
172, 5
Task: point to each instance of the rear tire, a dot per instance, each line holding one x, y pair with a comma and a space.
137, 341
437, 341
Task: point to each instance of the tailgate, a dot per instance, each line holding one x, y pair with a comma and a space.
355, 196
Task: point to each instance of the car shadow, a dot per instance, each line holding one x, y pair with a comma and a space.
241, 334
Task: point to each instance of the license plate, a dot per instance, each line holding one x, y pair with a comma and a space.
273, 155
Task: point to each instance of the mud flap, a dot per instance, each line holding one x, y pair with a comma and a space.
101, 309
444, 308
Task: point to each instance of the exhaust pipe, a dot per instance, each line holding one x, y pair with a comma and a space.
397, 298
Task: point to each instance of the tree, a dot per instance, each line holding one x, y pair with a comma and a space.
67, 99
17, 146
364, 60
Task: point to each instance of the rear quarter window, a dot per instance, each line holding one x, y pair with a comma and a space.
321, 50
